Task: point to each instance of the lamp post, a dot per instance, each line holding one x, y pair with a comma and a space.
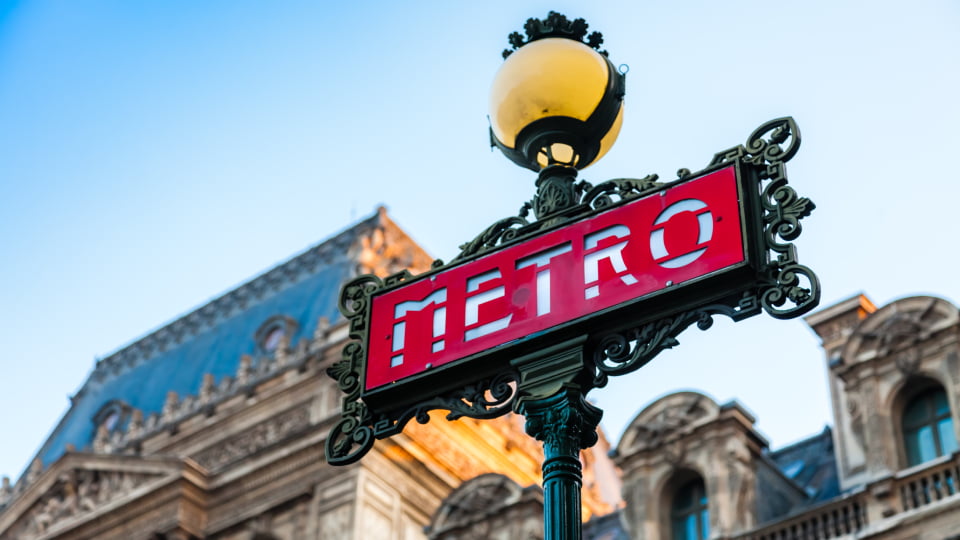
556, 106
533, 314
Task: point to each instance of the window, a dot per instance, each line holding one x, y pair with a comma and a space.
689, 517
273, 331
272, 341
113, 416
928, 427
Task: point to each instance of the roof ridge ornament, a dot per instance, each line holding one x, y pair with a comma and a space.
555, 25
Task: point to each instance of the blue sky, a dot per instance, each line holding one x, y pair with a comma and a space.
155, 154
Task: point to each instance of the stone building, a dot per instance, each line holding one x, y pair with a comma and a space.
213, 427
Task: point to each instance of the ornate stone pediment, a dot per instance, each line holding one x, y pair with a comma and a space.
471, 510
896, 329
667, 418
79, 487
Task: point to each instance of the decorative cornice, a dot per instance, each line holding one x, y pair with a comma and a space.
256, 438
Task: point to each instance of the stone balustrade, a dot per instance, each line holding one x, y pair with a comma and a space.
834, 519
910, 490
918, 487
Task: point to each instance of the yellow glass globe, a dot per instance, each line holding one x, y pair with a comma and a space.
556, 100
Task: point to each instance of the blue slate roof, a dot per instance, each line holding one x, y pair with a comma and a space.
811, 464
213, 338
608, 527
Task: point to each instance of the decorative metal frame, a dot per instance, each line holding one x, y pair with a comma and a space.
780, 286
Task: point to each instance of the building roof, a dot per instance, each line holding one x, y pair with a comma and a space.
213, 338
811, 464
608, 527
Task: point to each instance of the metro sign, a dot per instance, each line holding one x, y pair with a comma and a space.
469, 316
604, 279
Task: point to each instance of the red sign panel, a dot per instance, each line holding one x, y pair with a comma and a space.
663, 240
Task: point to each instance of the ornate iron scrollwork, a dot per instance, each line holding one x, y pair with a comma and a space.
624, 189
558, 200
501, 232
785, 288
789, 289
353, 436
619, 353
483, 400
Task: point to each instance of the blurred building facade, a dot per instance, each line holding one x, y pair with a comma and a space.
213, 427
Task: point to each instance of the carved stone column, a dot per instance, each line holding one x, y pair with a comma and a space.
565, 423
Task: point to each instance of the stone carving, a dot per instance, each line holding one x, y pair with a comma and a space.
75, 493
101, 442
898, 330
835, 330
482, 496
256, 438
675, 452
379, 250
532, 529
282, 353
901, 326
468, 509
36, 467
741, 480
135, 427
187, 406
322, 330
206, 389
264, 367
6, 491
856, 421
669, 420
335, 524
953, 366
170, 407
209, 394
244, 370
226, 386
152, 422
908, 361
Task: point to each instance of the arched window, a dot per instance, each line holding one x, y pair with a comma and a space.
928, 426
113, 415
271, 332
689, 517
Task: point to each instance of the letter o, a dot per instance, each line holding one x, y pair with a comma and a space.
658, 247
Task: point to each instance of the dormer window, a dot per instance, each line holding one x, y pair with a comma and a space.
111, 421
272, 333
112, 416
272, 341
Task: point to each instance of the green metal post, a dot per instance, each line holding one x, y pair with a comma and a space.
565, 423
